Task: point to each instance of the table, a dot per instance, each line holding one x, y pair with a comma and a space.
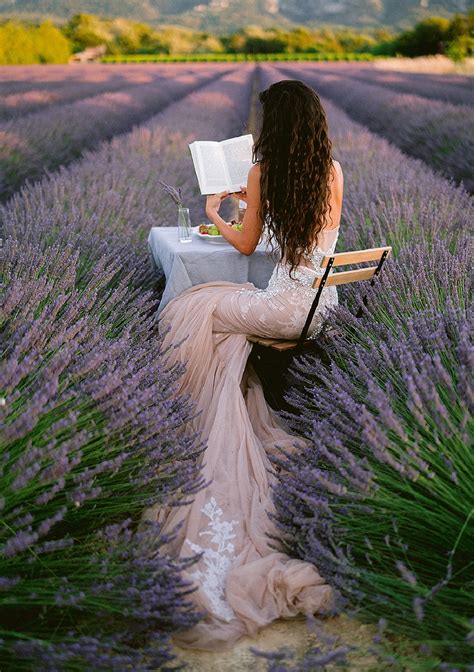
189, 264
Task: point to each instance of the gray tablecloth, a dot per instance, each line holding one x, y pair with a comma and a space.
189, 264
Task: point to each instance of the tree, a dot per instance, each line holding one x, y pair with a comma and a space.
23, 44
86, 30
300, 40
460, 35
426, 38
52, 46
16, 45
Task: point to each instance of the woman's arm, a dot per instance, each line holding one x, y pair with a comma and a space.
244, 241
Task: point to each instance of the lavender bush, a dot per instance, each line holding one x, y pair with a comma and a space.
45, 140
438, 133
92, 434
381, 499
387, 472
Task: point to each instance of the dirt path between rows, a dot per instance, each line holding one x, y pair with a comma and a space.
291, 633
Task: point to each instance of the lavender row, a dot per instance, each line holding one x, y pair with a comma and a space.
22, 78
425, 86
47, 94
94, 429
437, 133
45, 140
380, 498
381, 501
449, 78
449, 89
90, 436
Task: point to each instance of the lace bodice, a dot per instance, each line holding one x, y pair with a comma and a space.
326, 245
289, 298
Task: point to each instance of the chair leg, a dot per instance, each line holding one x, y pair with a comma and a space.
360, 312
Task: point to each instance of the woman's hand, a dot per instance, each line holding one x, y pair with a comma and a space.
213, 201
242, 194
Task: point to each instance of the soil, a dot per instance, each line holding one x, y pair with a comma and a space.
289, 633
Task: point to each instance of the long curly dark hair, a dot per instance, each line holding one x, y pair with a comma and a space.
294, 152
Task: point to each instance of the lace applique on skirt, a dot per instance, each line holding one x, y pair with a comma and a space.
218, 561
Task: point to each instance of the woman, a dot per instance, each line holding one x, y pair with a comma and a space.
244, 581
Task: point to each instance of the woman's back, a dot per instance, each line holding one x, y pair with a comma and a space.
327, 237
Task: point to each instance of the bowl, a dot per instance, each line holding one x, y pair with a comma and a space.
210, 239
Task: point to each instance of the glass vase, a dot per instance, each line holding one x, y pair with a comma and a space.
184, 225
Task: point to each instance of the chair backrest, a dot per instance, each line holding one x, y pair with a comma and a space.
378, 254
350, 258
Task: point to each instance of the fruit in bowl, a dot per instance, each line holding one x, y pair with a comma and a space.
209, 229
212, 230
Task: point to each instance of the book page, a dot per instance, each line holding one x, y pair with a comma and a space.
210, 167
238, 158
194, 155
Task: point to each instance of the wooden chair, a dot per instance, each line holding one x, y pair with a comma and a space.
271, 357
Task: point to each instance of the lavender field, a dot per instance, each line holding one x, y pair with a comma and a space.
93, 433
45, 140
30, 92
436, 131
455, 89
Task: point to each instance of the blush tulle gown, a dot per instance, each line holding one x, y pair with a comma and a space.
243, 583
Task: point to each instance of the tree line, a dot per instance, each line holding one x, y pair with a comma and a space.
24, 42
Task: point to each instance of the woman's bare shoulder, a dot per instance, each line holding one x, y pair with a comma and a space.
337, 167
253, 179
337, 176
255, 169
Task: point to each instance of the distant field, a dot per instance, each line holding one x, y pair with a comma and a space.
429, 64
233, 58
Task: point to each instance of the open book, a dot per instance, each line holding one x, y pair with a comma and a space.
222, 166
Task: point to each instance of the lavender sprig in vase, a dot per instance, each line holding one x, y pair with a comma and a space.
184, 221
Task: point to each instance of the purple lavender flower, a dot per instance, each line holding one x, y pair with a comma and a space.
175, 194
50, 404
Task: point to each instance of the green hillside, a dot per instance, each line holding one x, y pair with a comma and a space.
225, 15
